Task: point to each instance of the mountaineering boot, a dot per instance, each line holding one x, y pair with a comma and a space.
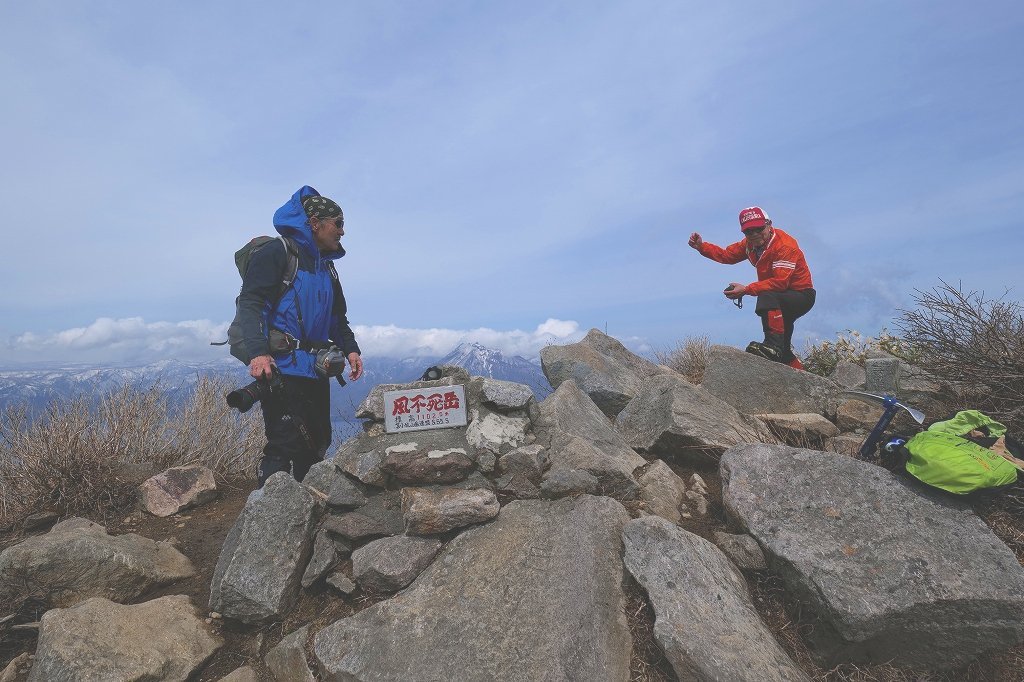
771, 349
795, 363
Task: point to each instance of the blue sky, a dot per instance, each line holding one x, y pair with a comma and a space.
513, 173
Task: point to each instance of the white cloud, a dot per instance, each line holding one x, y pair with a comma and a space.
134, 339
392, 341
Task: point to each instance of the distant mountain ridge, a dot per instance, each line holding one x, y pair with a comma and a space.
37, 388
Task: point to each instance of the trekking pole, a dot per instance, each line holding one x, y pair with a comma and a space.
892, 406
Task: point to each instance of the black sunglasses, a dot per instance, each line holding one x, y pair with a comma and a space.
755, 230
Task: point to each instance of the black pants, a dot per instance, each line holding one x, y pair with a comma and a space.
305, 405
793, 304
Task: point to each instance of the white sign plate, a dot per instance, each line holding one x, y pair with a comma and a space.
417, 409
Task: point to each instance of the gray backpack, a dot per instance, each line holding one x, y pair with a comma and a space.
242, 258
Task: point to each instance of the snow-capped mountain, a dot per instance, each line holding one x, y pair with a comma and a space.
36, 388
487, 362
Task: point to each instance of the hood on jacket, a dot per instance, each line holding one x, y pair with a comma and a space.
290, 221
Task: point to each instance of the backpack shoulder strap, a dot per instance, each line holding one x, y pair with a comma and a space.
291, 268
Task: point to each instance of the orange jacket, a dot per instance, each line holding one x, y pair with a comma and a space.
781, 266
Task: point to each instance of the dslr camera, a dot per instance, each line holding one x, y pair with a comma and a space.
244, 398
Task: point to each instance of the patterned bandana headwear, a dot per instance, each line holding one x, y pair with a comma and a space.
322, 207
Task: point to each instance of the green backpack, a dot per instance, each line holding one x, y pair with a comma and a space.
941, 458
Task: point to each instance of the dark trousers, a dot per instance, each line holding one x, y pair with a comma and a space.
306, 404
793, 304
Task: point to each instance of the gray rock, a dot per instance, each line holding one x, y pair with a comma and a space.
882, 375
243, 674
895, 573
389, 564
528, 461
429, 512
341, 582
662, 491
382, 515
486, 461
338, 489
325, 557
261, 564
855, 415
496, 432
697, 501
564, 482
162, 639
800, 430
413, 464
357, 457
176, 489
601, 367
580, 437
845, 444
45, 519
523, 488
17, 669
754, 385
287, 660
77, 560
672, 418
614, 474
849, 375
705, 621
506, 395
742, 549
535, 595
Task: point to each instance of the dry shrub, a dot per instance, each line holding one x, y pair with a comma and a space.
974, 344
86, 461
851, 346
689, 357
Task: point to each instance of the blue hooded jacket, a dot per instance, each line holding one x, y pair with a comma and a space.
312, 309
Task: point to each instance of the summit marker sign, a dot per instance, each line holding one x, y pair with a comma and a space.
419, 409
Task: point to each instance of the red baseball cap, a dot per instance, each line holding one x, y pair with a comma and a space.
753, 217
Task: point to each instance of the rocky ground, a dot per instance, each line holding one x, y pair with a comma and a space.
643, 534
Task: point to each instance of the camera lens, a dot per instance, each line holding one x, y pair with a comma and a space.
244, 398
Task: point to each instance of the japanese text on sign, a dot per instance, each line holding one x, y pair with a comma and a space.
417, 409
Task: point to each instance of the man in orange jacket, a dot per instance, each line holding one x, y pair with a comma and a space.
783, 288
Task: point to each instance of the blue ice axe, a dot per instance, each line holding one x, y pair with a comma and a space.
892, 406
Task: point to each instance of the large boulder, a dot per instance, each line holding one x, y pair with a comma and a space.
895, 573
77, 560
535, 595
176, 489
672, 418
162, 639
705, 621
754, 385
601, 367
265, 553
580, 437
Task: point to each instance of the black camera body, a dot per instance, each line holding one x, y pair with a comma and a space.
244, 398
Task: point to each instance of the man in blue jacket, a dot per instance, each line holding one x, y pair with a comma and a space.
311, 315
